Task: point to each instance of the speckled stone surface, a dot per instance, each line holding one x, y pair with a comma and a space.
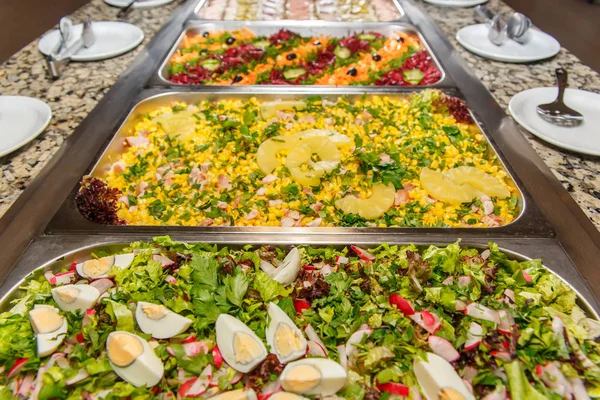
74, 95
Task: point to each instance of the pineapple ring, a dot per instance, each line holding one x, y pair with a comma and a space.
266, 155
337, 138
443, 189
320, 145
381, 200
181, 124
480, 180
269, 109
299, 156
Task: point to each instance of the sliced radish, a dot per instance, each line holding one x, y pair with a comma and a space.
80, 338
223, 371
448, 281
402, 304
270, 389
162, 260
464, 281
301, 305
428, 318
102, 284
26, 385
526, 276
171, 279
217, 357
194, 348
539, 370
555, 380
315, 349
193, 387
431, 328
312, 335
341, 260
394, 388
506, 321
16, 368
468, 385
63, 278
510, 294
502, 355
355, 338
326, 270
460, 305
443, 348
479, 311
579, 390
78, 377
363, 254
343, 356
469, 373
474, 336
309, 267
189, 339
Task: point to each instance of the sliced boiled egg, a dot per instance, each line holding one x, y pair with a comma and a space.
313, 376
240, 347
438, 379
50, 328
286, 396
239, 394
283, 336
287, 272
75, 297
160, 322
132, 358
100, 267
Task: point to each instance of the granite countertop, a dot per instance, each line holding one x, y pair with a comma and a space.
84, 84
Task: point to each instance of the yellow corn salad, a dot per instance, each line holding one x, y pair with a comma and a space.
196, 164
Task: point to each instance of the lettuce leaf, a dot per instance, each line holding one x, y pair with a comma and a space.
120, 314
205, 271
268, 288
445, 258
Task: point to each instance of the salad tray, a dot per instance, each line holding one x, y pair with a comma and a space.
527, 222
306, 29
329, 10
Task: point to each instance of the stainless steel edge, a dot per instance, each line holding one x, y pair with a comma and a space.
57, 252
529, 221
304, 28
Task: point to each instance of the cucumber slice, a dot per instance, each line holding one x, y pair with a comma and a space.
263, 44
366, 36
342, 52
293, 73
414, 76
211, 65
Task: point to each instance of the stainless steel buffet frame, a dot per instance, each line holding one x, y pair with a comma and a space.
570, 244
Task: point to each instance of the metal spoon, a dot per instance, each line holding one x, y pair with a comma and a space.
483, 14
126, 10
519, 28
557, 112
65, 28
57, 63
498, 31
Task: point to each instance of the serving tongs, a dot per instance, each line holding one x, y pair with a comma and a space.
517, 27
62, 53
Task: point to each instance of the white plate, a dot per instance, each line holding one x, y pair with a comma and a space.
582, 139
22, 119
456, 3
475, 39
138, 3
112, 39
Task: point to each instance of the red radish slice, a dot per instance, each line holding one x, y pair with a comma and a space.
102, 284
193, 387
312, 335
464, 281
162, 260
443, 348
217, 357
579, 390
509, 293
189, 339
236, 378
270, 389
214, 380
394, 388
479, 311
26, 385
468, 385
539, 370
343, 356
555, 380
171, 279
363, 254
64, 278
526, 276
433, 328
301, 305
326, 270
469, 373
315, 349
207, 373
460, 305
506, 321
355, 338
502, 355
474, 336
80, 338
341, 260
402, 304
16, 368
194, 348
428, 318
78, 377
308, 267
448, 281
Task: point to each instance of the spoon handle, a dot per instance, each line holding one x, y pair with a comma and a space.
561, 80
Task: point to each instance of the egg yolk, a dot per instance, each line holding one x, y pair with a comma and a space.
239, 394
98, 267
287, 341
154, 311
450, 394
287, 396
245, 348
123, 349
68, 295
45, 319
302, 378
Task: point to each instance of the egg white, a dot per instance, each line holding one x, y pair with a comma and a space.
86, 298
171, 324
436, 374
118, 260
48, 343
226, 328
146, 370
333, 376
277, 316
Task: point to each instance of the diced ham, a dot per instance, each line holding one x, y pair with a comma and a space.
274, 203
167, 179
308, 118
307, 190
124, 200
261, 191
207, 222
318, 206
293, 214
236, 202
196, 176
141, 188
222, 117
222, 205
366, 115
287, 222
329, 121
251, 215
359, 122
119, 167
315, 222
401, 197
491, 220
385, 159
488, 205
205, 166
138, 140
269, 178
224, 182
283, 115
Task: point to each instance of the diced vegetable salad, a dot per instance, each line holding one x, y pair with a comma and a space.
417, 161
505, 327
240, 57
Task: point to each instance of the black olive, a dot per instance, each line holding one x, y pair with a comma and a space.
376, 57
317, 43
400, 39
230, 40
236, 79
205, 34
352, 71
291, 56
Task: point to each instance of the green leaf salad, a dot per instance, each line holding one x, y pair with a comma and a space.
171, 320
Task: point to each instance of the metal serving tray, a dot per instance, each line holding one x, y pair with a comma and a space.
56, 253
69, 219
378, 10
304, 28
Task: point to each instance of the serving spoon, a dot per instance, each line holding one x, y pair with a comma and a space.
557, 112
